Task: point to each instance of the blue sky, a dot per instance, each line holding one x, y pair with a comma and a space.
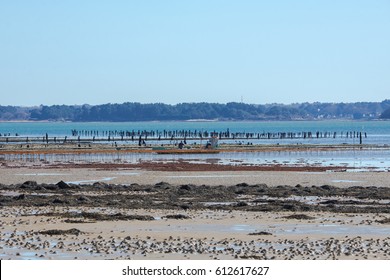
77, 52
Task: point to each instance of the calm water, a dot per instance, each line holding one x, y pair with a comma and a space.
360, 160
378, 132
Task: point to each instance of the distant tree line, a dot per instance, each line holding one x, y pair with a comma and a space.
386, 114
190, 111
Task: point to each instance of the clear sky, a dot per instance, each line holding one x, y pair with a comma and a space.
283, 51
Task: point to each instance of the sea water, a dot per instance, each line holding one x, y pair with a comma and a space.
378, 132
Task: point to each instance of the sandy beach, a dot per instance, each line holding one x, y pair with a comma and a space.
187, 210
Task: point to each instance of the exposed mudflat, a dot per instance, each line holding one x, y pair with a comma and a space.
258, 197
166, 221
248, 203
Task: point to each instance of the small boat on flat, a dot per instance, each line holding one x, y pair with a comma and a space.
208, 149
187, 151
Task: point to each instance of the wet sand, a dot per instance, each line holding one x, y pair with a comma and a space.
182, 210
141, 176
205, 235
165, 221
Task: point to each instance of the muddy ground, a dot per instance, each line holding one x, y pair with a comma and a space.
243, 197
166, 221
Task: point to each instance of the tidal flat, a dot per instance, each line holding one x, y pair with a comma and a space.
188, 221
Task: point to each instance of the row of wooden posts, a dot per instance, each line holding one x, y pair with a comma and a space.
167, 134
144, 135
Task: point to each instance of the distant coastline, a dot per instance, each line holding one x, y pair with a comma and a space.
198, 112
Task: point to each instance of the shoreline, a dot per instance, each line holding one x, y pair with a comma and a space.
59, 209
